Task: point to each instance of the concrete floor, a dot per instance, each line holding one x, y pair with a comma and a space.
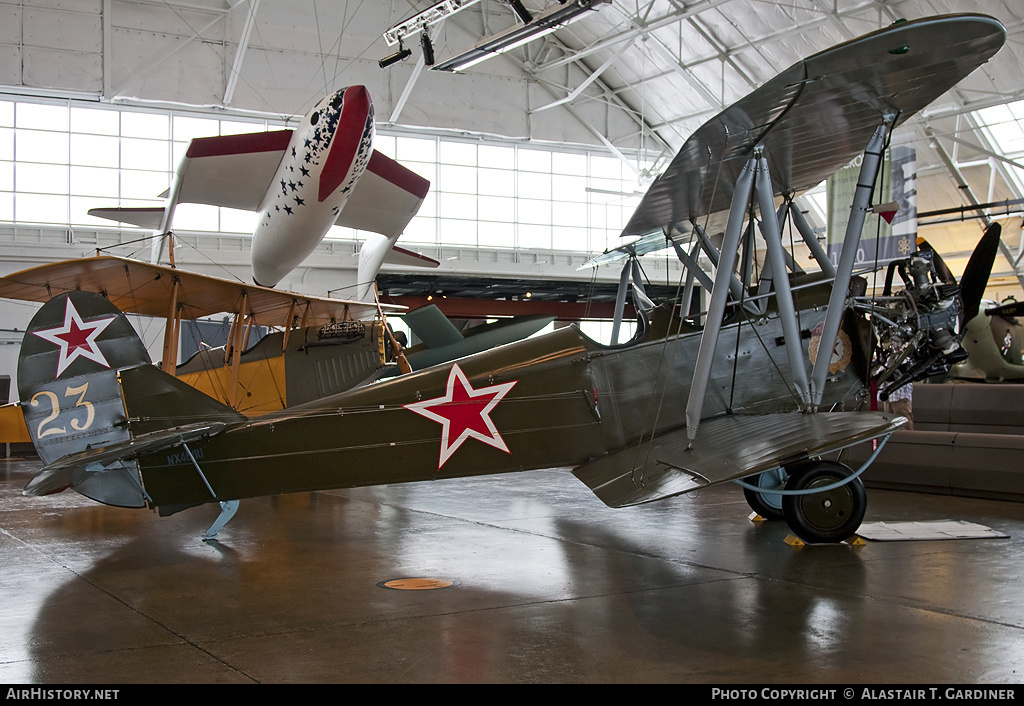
549, 586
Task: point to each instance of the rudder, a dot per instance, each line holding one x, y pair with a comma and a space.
68, 385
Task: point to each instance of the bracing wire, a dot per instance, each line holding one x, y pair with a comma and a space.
657, 378
659, 381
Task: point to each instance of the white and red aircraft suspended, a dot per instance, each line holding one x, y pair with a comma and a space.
302, 182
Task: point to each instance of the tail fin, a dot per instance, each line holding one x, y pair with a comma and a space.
77, 349
67, 374
432, 327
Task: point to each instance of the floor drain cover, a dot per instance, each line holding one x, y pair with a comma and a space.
416, 584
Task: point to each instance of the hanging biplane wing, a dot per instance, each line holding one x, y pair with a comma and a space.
254, 381
136, 287
649, 419
302, 181
322, 345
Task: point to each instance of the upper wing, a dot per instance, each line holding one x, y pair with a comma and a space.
816, 116
235, 171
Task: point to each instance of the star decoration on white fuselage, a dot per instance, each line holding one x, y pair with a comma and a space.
464, 413
76, 338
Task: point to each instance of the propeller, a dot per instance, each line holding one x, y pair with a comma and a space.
978, 270
942, 270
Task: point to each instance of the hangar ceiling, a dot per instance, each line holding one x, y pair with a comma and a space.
633, 77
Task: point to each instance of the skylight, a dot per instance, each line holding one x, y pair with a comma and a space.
1002, 124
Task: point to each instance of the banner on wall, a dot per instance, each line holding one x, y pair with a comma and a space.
880, 241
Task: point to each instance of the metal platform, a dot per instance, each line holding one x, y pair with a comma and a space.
546, 585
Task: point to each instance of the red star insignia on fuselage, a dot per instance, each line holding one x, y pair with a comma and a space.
76, 338
464, 413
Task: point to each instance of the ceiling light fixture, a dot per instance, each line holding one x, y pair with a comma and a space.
546, 22
433, 14
521, 12
399, 55
428, 49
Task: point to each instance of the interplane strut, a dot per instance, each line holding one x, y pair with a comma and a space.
754, 182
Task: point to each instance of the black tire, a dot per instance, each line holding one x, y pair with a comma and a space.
831, 516
767, 505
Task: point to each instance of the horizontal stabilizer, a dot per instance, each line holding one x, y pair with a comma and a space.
156, 401
149, 218
72, 469
726, 448
408, 258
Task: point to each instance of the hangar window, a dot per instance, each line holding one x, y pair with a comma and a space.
497, 157
87, 121
58, 159
411, 149
526, 198
533, 160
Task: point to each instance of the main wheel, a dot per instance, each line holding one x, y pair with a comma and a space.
829, 516
767, 505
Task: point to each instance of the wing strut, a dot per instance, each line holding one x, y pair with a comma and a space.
620, 298
172, 329
804, 228
716, 307
712, 252
755, 182
780, 280
847, 258
630, 271
693, 269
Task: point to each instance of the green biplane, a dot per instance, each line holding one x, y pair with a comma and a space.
744, 393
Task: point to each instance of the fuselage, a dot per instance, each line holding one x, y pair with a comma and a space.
558, 400
994, 344
327, 154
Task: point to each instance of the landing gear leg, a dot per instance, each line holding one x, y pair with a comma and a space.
829, 516
228, 508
